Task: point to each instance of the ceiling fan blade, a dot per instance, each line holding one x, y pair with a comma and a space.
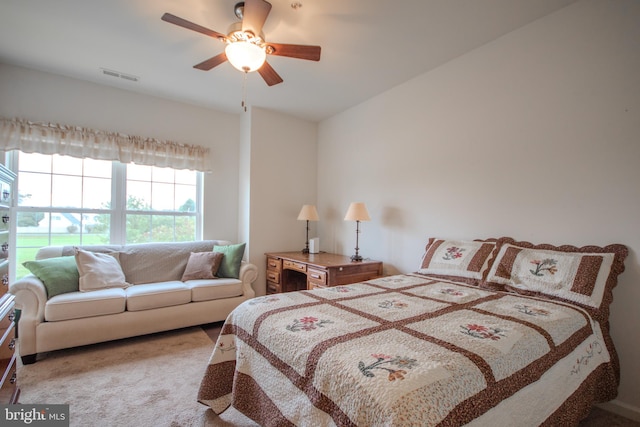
312, 53
167, 17
269, 74
211, 62
254, 15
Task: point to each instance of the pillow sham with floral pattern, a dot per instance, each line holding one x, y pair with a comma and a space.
583, 276
460, 260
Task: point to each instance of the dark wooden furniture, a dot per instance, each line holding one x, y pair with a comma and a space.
294, 271
9, 390
6, 194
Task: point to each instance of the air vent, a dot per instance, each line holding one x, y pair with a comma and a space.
120, 75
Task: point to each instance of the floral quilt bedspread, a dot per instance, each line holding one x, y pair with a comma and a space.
405, 350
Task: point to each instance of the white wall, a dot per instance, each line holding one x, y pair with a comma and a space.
39, 96
283, 157
264, 163
244, 178
534, 136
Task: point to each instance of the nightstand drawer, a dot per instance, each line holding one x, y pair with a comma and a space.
5, 193
8, 344
273, 276
4, 244
273, 288
4, 276
292, 265
6, 321
274, 264
4, 219
317, 277
8, 378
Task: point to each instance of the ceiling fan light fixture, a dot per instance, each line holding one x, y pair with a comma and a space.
245, 56
246, 48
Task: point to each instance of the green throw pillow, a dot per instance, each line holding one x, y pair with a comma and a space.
59, 275
230, 265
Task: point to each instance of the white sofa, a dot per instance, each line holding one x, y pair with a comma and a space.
157, 300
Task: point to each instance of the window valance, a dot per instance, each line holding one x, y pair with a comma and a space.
50, 138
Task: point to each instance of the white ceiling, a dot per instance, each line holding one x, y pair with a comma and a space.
368, 46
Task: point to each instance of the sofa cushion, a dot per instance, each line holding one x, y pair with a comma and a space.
202, 265
59, 275
156, 295
99, 271
76, 305
158, 262
51, 251
230, 265
205, 290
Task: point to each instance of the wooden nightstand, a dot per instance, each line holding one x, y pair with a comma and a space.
9, 390
294, 271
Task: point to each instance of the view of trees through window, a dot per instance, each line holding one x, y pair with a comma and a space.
69, 201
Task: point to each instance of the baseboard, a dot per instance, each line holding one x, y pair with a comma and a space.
623, 409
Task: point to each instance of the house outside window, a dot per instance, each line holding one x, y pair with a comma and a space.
63, 200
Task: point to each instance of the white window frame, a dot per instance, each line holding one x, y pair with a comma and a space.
118, 211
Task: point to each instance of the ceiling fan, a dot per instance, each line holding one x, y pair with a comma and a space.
246, 47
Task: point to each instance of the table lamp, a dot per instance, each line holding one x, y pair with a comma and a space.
357, 212
307, 213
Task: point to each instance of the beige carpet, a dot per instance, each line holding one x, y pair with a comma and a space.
150, 381
145, 381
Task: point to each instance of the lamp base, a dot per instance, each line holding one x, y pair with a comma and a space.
305, 251
356, 258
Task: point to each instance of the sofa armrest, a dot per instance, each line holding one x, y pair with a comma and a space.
31, 297
248, 275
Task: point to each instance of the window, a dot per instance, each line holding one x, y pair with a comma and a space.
69, 201
161, 204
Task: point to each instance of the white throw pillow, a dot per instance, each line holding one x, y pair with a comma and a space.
99, 271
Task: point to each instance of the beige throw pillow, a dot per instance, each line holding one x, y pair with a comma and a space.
99, 271
202, 265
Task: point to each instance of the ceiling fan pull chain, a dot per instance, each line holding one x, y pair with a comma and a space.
244, 91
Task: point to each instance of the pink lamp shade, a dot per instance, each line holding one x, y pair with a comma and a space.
357, 212
308, 213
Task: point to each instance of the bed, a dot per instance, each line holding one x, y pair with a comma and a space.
486, 332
